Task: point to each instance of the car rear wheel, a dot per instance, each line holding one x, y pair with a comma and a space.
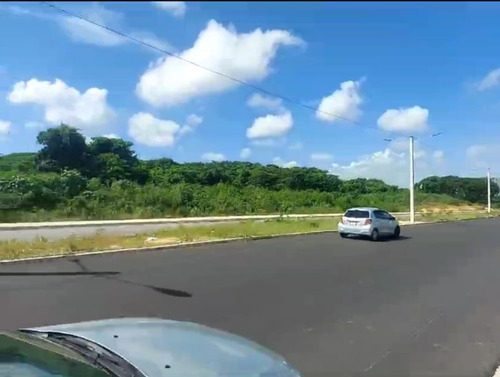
343, 235
397, 232
374, 235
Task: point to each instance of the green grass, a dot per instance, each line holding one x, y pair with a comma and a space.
10, 250
42, 247
456, 216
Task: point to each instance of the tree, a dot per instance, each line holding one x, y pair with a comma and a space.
113, 159
63, 148
470, 189
121, 148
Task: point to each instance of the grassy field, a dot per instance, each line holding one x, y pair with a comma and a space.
42, 247
10, 250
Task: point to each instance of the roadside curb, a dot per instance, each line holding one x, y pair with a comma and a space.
199, 243
160, 247
171, 220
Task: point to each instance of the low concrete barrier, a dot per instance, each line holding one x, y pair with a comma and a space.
180, 220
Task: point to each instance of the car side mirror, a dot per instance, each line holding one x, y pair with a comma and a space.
392, 218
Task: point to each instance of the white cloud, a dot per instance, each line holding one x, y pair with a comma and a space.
413, 119
17, 10
4, 127
387, 165
148, 130
175, 8
402, 144
491, 80
64, 104
111, 136
438, 156
391, 165
192, 121
270, 126
246, 56
483, 155
34, 125
342, 103
211, 156
269, 142
245, 153
257, 100
296, 146
279, 162
321, 157
81, 31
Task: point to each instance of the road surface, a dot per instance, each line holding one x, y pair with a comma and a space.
426, 305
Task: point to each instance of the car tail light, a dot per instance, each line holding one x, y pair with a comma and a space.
368, 221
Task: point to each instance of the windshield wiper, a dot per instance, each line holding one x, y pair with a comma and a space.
92, 352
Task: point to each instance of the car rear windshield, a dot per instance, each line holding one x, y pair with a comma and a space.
357, 214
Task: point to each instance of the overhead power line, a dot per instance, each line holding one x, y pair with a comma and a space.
241, 82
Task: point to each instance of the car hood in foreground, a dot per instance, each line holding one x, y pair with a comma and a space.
159, 347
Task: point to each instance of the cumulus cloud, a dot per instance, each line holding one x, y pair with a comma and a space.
391, 165
245, 153
257, 100
4, 127
438, 156
111, 136
246, 56
321, 157
175, 8
279, 162
148, 130
211, 156
81, 31
483, 155
192, 122
269, 142
404, 120
342, 103
491, 80
270, 126
64, 104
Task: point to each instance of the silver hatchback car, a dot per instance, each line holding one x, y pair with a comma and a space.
369, 222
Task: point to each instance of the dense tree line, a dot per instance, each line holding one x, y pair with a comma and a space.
470, 189
104, 178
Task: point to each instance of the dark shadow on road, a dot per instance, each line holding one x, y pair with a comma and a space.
61, 273
401, 238
164, 291
382, 239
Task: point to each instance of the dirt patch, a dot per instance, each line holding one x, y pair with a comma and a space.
452, 209
163, 240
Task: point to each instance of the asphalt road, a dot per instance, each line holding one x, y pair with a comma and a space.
426, 305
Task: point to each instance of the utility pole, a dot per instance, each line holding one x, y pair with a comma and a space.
412, 182
489, 191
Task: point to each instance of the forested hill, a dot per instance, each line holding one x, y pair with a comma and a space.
70, 178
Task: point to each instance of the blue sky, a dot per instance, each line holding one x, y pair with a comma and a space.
392, 69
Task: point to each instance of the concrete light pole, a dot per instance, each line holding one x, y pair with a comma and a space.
412, 181
489, 191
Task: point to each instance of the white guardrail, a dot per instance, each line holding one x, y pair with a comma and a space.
178, 220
